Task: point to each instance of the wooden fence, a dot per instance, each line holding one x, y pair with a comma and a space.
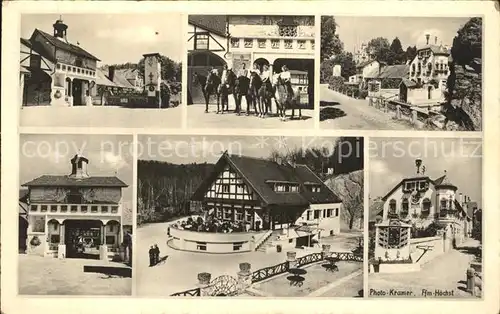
269, 272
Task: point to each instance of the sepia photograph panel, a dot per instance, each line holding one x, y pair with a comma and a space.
101, 70
425, 218
75, 215
401, 73
250, 216
248, 71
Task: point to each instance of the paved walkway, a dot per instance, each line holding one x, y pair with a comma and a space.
180, 270
356, 114
197, 118
51, 276
108, 116
446, 273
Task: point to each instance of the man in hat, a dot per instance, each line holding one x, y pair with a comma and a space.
156, 254
151, 256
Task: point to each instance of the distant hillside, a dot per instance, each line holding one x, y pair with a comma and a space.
349, 187
164, 189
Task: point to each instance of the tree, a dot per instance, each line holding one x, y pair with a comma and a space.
330, 41
325, 70
346, 61
378, 49
411, 53
349, 188
396, 52
467, 45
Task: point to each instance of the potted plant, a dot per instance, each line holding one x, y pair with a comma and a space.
35, 241
245, 267
204, 278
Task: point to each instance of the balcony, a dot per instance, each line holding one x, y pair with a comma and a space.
75, 71
76, 209
288, 45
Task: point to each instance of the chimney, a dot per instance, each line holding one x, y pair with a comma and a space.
427, 36
461, 198
111, 73
435, 40
79, 167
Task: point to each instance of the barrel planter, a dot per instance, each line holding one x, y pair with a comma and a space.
291, 255
245, 267
204, 278
326, 248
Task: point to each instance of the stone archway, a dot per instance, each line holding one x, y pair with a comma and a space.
259, 63
201, 62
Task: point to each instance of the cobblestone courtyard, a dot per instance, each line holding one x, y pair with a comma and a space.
51, 276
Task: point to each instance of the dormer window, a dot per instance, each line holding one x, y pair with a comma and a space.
315, 189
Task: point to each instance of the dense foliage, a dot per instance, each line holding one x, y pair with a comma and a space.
331, 44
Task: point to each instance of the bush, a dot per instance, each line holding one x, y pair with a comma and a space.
363, 94
429, 231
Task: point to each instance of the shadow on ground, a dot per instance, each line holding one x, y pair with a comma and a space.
324, 103
330, 113
110, 271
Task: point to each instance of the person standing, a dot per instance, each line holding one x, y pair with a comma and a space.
156, 254
243, 72
151, 256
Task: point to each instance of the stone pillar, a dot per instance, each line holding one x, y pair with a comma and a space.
103, 248
471, 280
370, 101
244, 277
203, 283
398, 112
61, 248
291, 258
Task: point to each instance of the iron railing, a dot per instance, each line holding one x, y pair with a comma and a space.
196, 292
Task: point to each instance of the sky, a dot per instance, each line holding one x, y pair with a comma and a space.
109, 155
199, 149
392, 159
410, 30
116, 38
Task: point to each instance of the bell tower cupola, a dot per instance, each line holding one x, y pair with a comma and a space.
60, 29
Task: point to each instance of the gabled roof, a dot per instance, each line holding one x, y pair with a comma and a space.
212, 23
257, 172
103, 80
436, 49
365, 63
129, 73
408, 83
398, 71
63, 45
397, 186
49, 180
26, 42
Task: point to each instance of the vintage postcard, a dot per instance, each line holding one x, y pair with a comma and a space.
425, 228
75, 215
401, 73
250, 157
250, 216
253, 71
77, 73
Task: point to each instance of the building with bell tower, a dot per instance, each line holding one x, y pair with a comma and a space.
55, 72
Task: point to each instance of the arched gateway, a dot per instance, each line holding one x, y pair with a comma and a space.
201, 62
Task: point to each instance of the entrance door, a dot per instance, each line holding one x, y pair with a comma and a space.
77, 93
82, 238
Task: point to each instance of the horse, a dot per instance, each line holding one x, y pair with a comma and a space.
266, 92
226, 88
253, 92
241, 88
284, 100
209, 86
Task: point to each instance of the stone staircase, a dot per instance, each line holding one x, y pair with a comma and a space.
264, 245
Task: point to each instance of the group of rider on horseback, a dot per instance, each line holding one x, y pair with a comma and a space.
258, 88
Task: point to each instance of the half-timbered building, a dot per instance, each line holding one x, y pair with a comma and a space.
269, 195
